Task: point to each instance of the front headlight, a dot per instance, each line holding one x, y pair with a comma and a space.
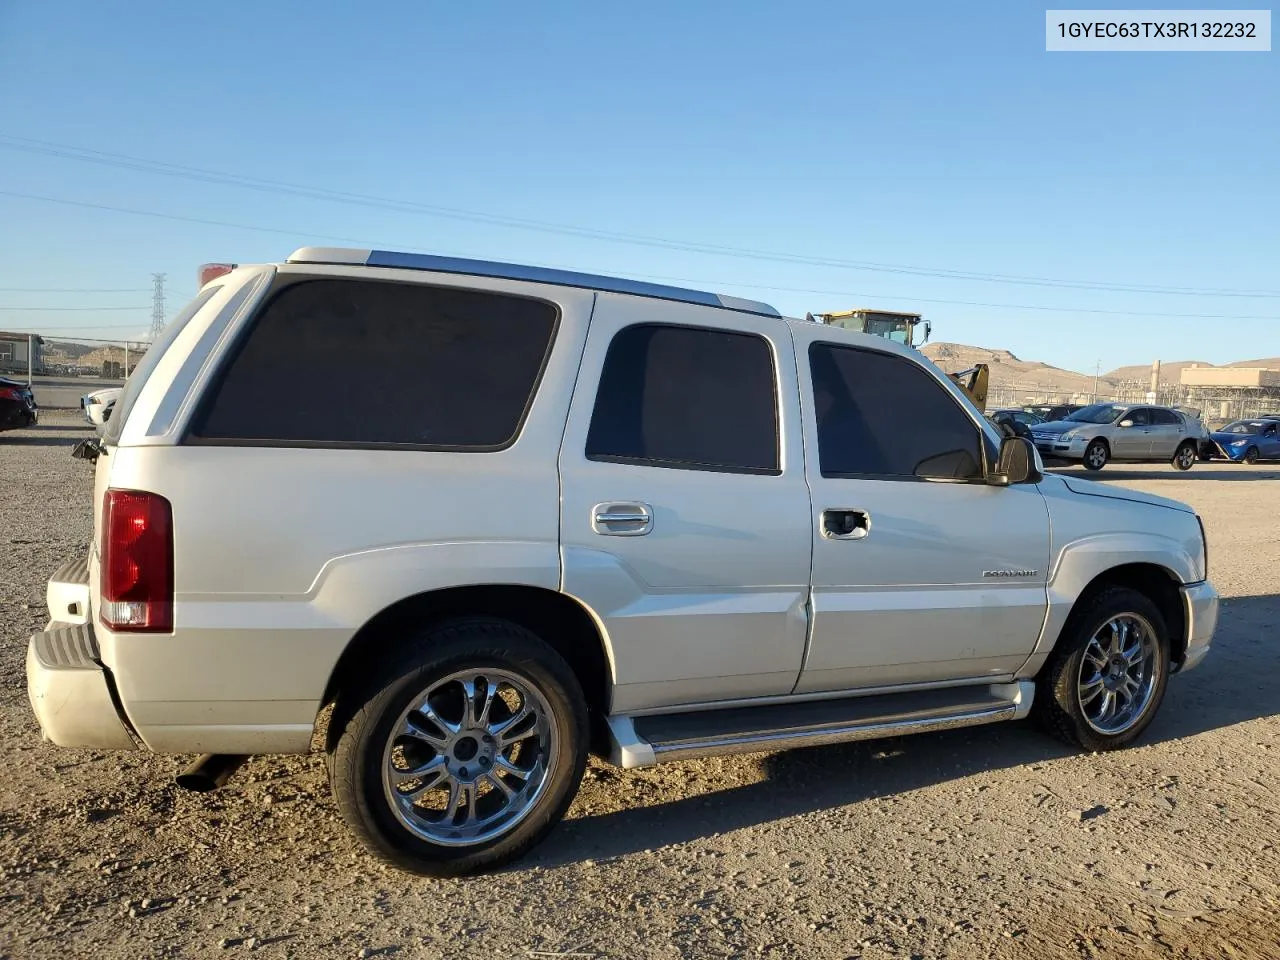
1240, 443
1069, 434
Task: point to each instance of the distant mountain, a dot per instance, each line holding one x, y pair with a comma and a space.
1007, 370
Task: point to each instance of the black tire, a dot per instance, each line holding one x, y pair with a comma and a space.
1251, 455
1057, 703
365, 719
1096, 455
1185, 457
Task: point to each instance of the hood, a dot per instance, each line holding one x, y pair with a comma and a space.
1055, 427
1095, 488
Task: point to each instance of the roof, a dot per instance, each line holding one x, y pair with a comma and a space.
5, 335
514, 271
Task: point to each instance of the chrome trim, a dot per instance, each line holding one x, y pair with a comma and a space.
704, 705
788, 739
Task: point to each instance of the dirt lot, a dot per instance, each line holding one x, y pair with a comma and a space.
987, 843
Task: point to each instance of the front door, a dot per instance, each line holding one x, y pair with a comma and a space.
1132, 442
1269, 442
684, 507
921, 571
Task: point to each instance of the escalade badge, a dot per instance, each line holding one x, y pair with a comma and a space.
1009, 573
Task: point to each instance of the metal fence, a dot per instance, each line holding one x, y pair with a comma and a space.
88, 357
1214, 403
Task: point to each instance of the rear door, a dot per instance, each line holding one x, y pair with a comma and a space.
921, 571
1167, 431
685, 512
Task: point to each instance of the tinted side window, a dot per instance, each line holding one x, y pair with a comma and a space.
370, 363
1140, 417
687, 397
880, 415
1164, 417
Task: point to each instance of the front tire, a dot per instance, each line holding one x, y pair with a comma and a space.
1105, 680
1251, 456
1185, 458
461, 750
1096, 455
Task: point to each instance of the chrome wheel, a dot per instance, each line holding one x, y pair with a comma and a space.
468, 759
1118, 673
1185, 458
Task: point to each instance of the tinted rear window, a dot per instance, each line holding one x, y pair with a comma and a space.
370, 363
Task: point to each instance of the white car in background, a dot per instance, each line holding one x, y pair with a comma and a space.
98, 405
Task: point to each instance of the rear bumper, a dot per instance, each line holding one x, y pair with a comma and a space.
70, 691
1201, 605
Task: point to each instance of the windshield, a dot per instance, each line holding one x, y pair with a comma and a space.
1241, 426
1098, 413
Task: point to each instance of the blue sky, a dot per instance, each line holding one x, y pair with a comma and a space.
938, 137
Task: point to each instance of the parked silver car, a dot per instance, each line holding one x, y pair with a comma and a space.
1101, 432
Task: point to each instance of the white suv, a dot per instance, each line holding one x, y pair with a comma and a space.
566, 511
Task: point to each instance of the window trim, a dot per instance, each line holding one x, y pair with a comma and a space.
284, 282
664, 464
987, 454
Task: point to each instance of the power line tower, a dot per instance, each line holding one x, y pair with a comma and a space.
157, 306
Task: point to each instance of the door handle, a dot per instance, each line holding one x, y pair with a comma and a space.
843, 523
622, 519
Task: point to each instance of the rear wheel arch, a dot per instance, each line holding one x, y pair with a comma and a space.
558, 620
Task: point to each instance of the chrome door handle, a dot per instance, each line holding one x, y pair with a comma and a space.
622, 519
843, 523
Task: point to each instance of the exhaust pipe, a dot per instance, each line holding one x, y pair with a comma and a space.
210, 772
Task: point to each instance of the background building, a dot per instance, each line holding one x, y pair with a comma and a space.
14, 349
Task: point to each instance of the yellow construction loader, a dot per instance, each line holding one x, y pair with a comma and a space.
902, 328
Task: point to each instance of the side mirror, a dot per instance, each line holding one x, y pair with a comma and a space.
1016, 463
1126, 423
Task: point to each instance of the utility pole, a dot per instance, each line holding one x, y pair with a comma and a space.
1097, 371
31, 352
157, 306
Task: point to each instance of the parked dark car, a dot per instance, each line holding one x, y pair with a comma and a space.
1051, 412
1011, 425
1249, 441
17, 405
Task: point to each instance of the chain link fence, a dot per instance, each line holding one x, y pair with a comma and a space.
1215, 404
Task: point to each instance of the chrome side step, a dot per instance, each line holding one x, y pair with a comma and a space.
649, 740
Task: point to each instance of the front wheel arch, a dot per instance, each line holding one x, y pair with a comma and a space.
1159, 584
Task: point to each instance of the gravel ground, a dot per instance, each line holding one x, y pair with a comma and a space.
992, 842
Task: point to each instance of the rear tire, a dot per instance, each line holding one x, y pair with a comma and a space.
1185, 458
488, 787
1103, 684
1096, 455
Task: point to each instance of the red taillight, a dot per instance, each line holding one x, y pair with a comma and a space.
9, 393
137, 562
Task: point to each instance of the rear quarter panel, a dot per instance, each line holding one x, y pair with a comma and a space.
282, 554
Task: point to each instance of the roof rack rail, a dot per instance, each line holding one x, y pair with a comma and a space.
514, 271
